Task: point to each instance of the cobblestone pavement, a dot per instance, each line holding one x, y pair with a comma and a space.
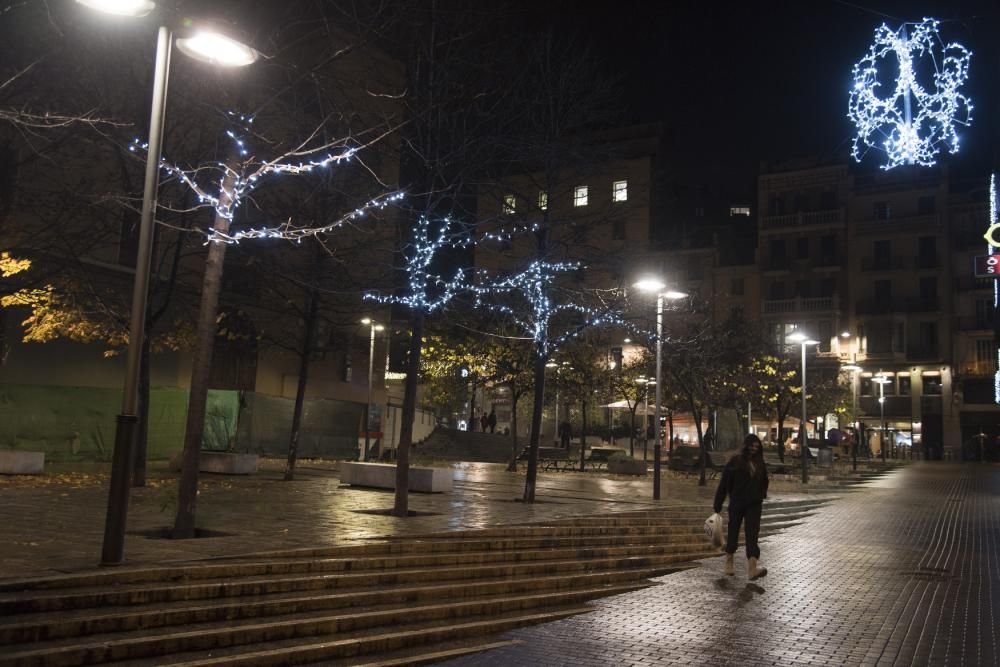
906, 572
54, 523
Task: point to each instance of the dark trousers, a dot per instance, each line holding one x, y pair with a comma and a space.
749, 516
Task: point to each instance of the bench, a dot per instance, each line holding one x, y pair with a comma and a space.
549, 458
383, 476
686, 462
598, 459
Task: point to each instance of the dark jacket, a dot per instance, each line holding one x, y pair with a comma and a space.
742, 489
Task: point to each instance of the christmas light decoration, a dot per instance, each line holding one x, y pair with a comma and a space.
428, 292
994, 222
911, 122
248, 174
535, 285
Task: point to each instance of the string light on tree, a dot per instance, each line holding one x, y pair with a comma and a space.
916, 118
428, 292
249, 173
535, 285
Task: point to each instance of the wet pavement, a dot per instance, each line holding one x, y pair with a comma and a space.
904, 571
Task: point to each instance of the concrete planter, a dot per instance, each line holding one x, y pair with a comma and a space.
382, 476
19, 462
627, 467
222, 463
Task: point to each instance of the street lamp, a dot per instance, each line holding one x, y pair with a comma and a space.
803, 340
854, 369
112, 550
373, 326
882, 381
658, 286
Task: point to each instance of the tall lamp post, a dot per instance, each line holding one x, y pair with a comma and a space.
854, 369
882, 382
373, 327
209, 47
659, 287
803, 340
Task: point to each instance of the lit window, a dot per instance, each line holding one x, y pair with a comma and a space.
739, 210
509, 204
619, 191
543, 201
580, 195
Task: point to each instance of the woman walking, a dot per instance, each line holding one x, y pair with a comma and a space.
744, 480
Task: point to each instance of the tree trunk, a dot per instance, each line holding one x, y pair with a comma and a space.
473, 422
696, 414
583, 435
514, 397
631, 434
536, 426
300, 390
401, 506
142, 428
670, 423
201, 366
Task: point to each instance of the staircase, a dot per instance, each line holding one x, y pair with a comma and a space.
399, 601
452, 445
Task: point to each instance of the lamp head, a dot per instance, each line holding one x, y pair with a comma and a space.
650, 284
217, 49
366, 320
800, 337
134, 8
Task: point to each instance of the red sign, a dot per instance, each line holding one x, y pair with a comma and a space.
988, 266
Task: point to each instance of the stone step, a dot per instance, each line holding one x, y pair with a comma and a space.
48, 625
298, 652
451, 558
101, 649
60, 625
212, 589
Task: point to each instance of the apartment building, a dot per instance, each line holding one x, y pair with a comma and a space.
878, 268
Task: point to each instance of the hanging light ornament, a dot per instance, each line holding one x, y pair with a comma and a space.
911, 122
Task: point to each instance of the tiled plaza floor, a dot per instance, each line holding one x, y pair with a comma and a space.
903, 572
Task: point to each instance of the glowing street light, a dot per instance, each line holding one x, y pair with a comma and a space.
112, 551
652, 284
803, 340
882, 381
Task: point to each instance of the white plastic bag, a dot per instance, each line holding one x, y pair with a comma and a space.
713, 529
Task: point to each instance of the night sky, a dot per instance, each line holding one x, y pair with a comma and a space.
737, 83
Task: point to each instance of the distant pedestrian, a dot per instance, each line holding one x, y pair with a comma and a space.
565, 431
492, 420
744, 480
484, 421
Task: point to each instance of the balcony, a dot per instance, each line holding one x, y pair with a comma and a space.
972, 284
916, 223
979, 368
799, 305
883, 263
972, 323
874, 307
885, 306
794, 220
894, 406
922, 352
922, 305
